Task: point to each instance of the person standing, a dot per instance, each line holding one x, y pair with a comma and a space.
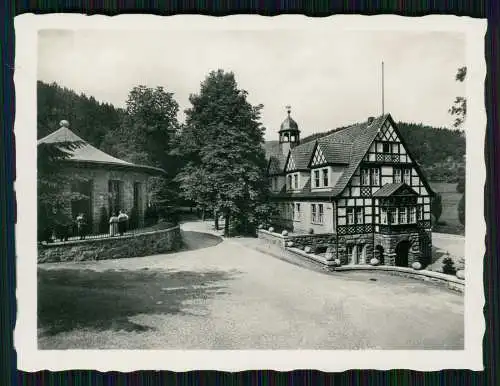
113, 225
122, 222
80, 225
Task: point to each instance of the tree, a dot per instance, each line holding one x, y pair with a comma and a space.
459, 108
437, 207
224, 159
50, 178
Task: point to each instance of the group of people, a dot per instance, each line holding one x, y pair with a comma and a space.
118, 224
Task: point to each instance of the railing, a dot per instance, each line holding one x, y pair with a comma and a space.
62, 234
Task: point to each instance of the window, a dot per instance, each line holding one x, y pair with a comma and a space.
296, 181
383, 215
412, 215
407, 176
321, 213
325, 177
297, 212
313, 212
365, 177
393, 216
289, 182
359, 215
350, 216
115, 190
386, 147
397, 176
355, 216
316, 178
402, 215
419, 212
375, 175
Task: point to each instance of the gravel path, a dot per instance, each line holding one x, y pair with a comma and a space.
224, 295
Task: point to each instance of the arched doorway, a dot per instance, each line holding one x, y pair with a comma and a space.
379, 254
402, 250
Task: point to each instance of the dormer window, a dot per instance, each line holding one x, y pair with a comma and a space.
316, 178
325, 177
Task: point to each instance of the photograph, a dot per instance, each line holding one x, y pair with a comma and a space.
239, 188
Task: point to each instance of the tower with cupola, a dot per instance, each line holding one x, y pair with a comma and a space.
289, 134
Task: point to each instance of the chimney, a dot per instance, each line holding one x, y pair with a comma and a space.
370, 120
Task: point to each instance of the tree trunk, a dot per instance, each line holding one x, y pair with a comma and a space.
226, 225
203, 214
216, 220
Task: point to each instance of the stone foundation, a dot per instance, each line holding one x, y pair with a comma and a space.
150, 243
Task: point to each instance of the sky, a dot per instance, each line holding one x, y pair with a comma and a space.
329, 79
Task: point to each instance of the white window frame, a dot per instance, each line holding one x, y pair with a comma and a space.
360, 215
321, 213
383, 216
407, 176
375, 172
393, 216
313, 213
290, 181
412, 215
317, 179
397, 175
296, 181
365, 177
297, 211
326, 178
402, 215
350, 215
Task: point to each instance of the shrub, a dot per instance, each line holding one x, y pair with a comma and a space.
310, 231
460, 274
337, 262
284, 233
461, 210
437, 206
449, 266
271, 229
150, 216
374, 261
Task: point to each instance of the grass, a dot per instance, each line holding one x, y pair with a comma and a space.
449, 216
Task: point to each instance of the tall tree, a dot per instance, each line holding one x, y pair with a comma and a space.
459, 110
225, 161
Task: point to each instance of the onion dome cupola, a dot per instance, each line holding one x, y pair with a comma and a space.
289, 134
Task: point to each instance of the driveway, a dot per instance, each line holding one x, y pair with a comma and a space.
223, 295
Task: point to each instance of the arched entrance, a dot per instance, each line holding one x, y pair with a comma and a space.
402, 250
379, 254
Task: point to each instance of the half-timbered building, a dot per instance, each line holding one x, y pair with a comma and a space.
359, 184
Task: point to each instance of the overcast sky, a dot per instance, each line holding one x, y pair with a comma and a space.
330, 80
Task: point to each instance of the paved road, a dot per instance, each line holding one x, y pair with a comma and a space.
223, 295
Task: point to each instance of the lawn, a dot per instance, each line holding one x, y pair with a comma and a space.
449, 218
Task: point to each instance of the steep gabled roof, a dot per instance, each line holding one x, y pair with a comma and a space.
301, 155
399, 188
88, 154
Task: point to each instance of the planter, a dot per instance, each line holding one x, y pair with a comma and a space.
460, 274
284, 233
307, 249
374, 261
329, 256
337, 263
261, 226
271, 229
416, 266
289, 244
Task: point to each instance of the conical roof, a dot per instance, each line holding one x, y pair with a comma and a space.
289, 124
86, 153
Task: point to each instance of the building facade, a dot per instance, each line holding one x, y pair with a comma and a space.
359, 184
108, 184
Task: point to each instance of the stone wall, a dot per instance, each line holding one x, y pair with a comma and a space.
141, 244
272, 238
355, 240
315, 241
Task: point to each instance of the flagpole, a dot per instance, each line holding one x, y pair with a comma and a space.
382, 88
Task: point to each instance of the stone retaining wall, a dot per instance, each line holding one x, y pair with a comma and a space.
137, 245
